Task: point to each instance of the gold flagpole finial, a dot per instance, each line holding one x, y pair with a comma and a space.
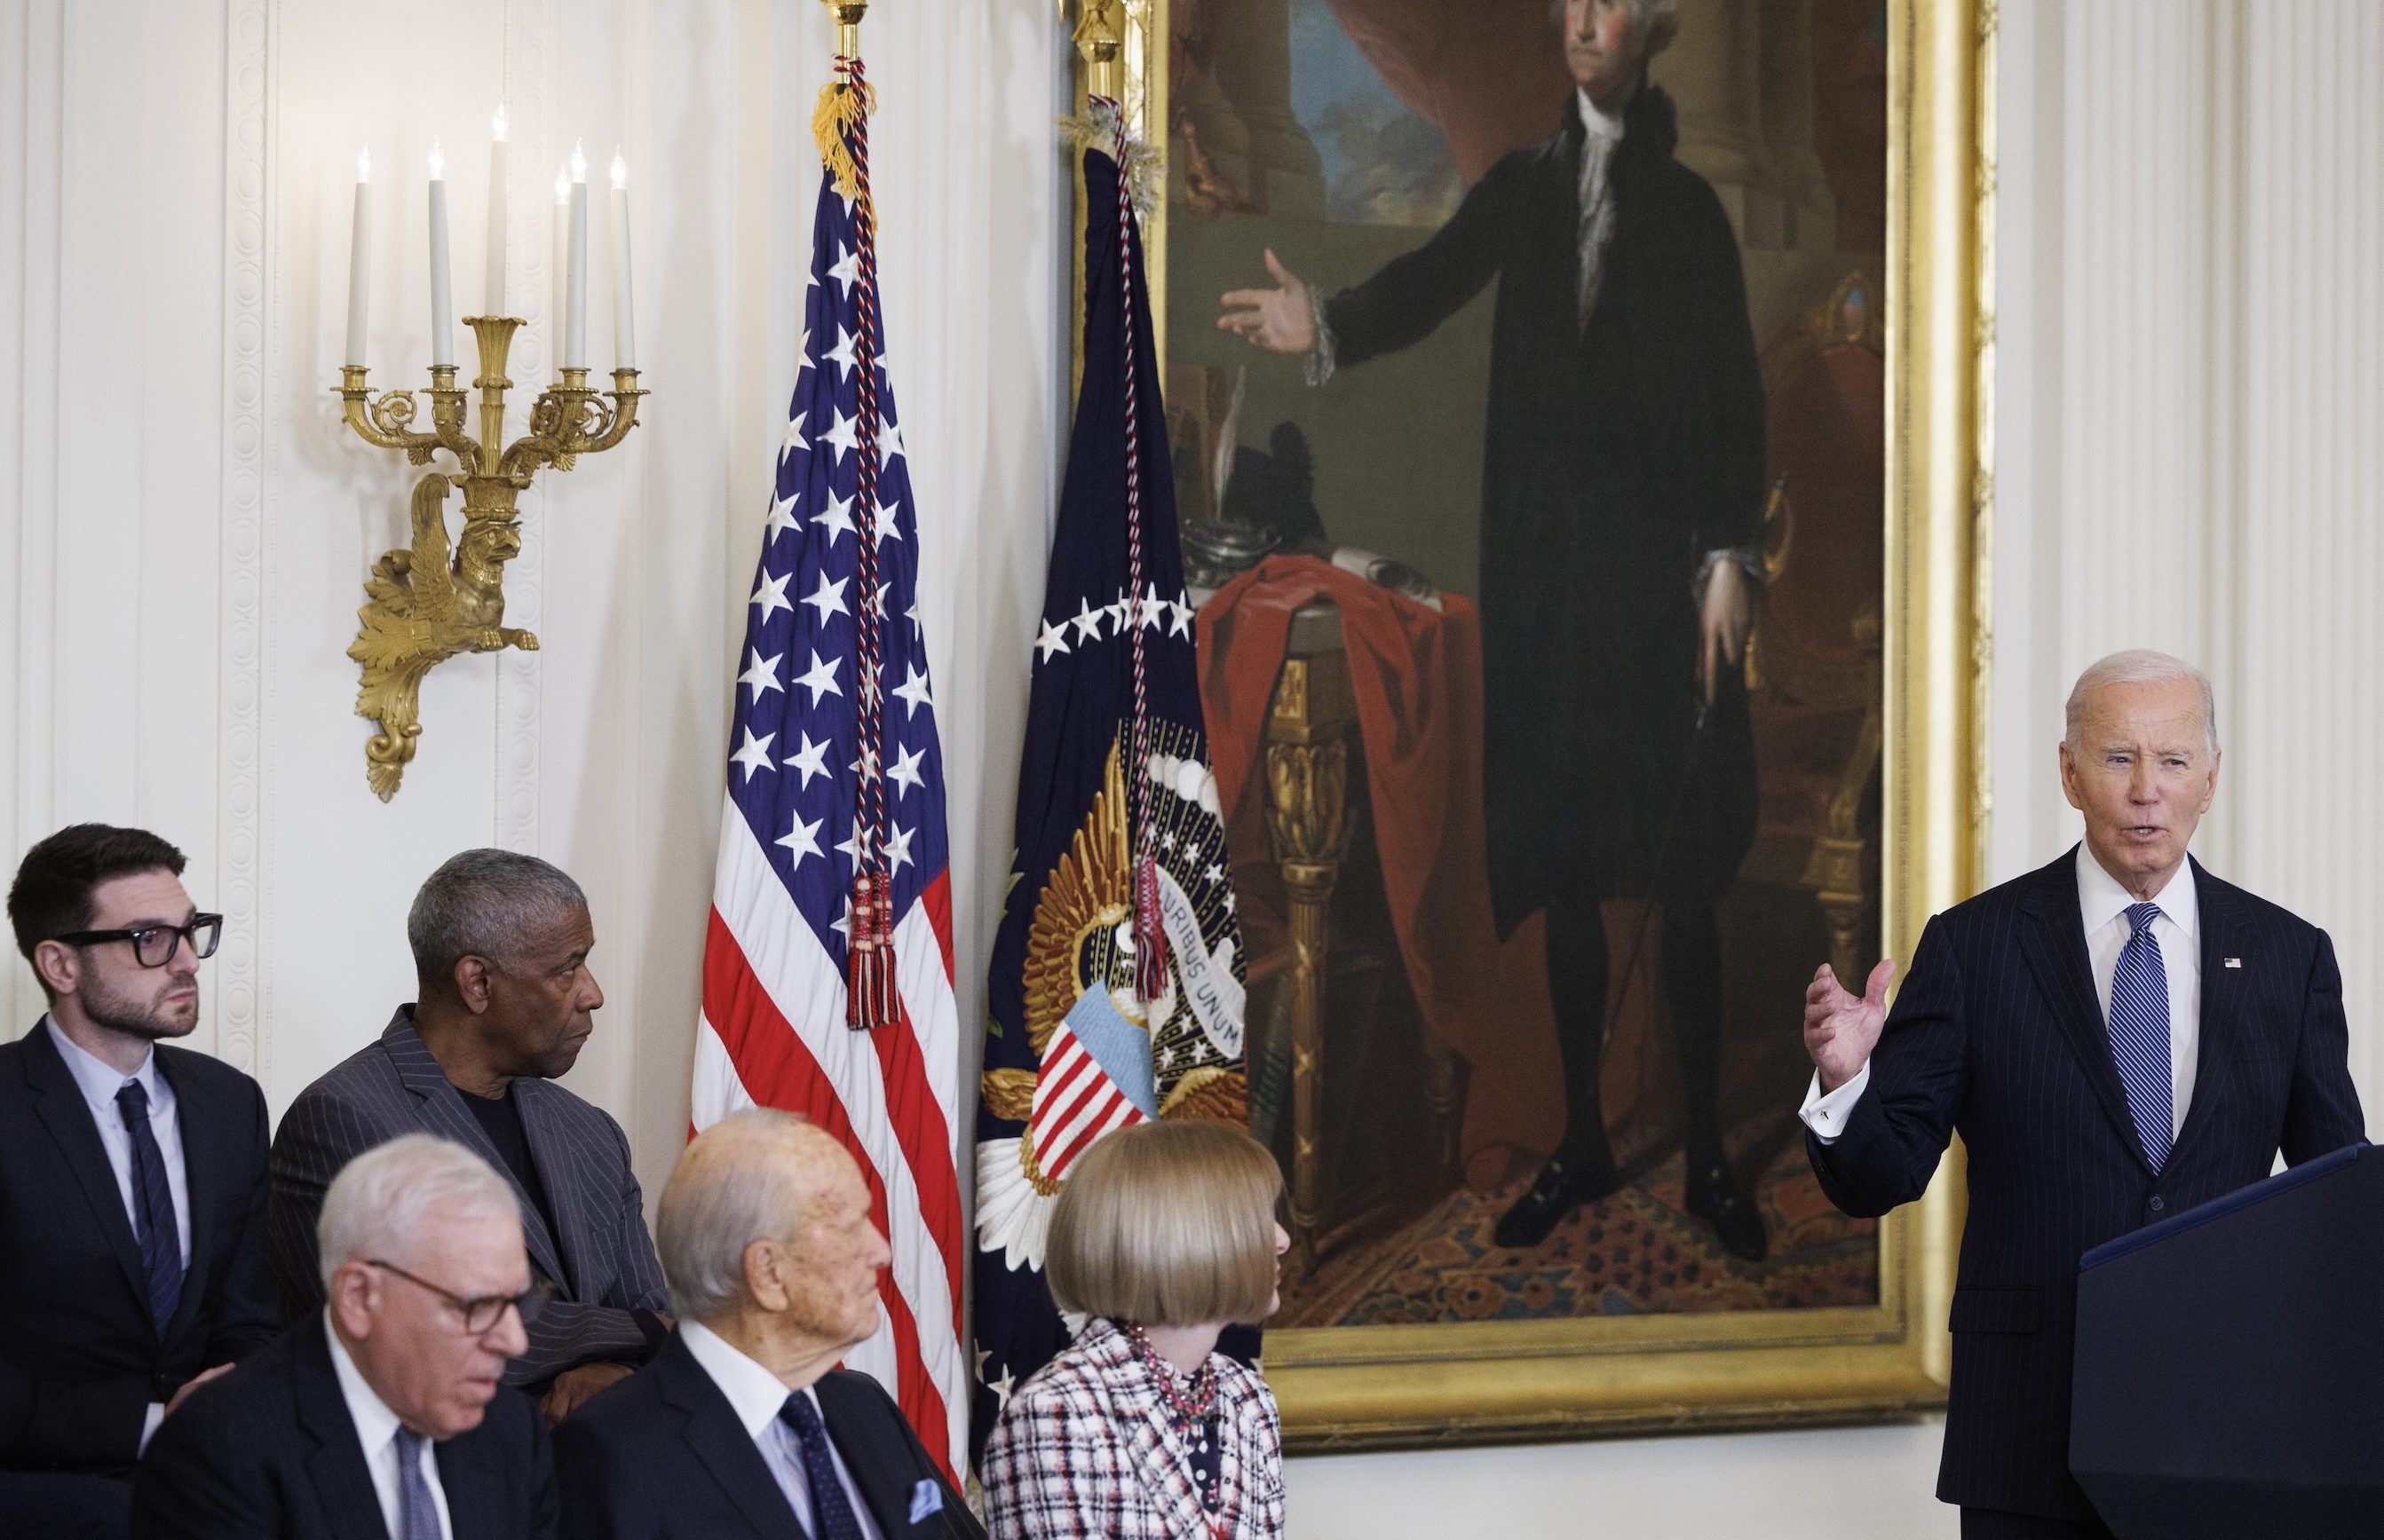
1100, 38
846, 15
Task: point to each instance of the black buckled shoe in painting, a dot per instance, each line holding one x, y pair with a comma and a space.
1713, 1196
1564, 1184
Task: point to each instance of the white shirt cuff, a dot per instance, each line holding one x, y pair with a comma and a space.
1825, 1115
149, 1425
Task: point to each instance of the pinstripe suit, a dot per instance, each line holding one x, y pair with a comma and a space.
602, 1264
1998, 1035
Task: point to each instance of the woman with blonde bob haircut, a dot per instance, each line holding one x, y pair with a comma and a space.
1163, 1236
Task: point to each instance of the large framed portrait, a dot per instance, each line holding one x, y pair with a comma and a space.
1578, 424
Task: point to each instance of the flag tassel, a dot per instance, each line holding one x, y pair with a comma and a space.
869, 983
1149, 933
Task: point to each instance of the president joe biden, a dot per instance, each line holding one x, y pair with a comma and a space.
2118, 1036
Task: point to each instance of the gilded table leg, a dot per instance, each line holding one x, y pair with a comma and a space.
1309, 822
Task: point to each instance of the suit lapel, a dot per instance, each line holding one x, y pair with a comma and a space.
439, 1108
2221, 919
202, 1135
68, 1116
343, 1485
2055, 944
719, 1442
534, 1100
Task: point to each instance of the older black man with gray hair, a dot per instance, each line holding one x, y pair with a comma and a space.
2117, 1037
501, 943
743, 1428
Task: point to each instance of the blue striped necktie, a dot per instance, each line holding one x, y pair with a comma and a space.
2140, 1033
153, 1208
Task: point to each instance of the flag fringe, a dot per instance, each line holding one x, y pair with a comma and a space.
841, 107
1146, 170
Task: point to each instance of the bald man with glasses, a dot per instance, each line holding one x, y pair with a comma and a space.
133, 1263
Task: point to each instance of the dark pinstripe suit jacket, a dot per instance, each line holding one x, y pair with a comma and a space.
602, 1264
1998, 1035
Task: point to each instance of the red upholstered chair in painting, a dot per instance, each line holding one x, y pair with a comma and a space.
1814, 666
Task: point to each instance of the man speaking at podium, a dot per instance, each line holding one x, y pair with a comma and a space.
2117, 1037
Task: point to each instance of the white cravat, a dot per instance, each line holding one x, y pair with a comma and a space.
376, 1432
2103, 913
1602, 137
756, 1396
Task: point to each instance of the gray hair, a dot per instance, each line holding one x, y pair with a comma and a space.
478, 905
381, 1197
1658, 21
712, 1210
2136, 666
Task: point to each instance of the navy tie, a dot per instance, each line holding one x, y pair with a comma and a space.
832, 1515
417, 1512
2140, 1032
153, 1208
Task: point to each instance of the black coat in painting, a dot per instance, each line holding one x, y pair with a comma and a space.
1616, 455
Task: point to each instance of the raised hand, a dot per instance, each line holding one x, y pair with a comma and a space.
1278, 320
1842, 1028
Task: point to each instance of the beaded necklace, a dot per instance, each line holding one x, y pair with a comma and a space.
1193, 1411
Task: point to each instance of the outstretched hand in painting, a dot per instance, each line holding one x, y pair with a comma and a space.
1281, 320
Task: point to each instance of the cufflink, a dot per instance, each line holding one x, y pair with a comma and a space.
927, 1497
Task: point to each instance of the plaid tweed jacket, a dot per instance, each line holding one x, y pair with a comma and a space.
1087, 1448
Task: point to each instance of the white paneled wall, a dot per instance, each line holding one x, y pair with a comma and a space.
2191, 318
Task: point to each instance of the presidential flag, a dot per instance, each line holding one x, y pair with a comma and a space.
833, 865
1117, 976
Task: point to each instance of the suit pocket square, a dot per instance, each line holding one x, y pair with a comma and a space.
927, 1498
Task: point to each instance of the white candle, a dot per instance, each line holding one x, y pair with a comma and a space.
360, 259
575, 330
494, 288
443, 294
559, 276
624, 332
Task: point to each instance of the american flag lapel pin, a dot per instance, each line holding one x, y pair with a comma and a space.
2234, 962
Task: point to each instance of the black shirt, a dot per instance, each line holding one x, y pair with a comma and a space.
500, 1120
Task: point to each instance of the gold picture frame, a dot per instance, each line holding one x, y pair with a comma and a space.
1478, 1382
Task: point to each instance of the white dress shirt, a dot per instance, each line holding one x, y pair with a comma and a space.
756, 1396
377, 1431
99, 1082
2103, 911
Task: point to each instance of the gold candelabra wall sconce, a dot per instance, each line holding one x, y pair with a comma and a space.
427, 602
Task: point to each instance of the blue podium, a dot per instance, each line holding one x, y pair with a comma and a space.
2230, 1363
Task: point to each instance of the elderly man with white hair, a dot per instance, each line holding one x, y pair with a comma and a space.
742, 1426
2117, 1037
386, 1414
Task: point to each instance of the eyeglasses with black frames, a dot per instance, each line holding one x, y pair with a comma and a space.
155, 945
481, 1312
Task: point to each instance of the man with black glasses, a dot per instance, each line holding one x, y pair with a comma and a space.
131, 1182
384, 1412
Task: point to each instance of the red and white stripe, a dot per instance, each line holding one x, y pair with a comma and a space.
1076, 1102
773, 1034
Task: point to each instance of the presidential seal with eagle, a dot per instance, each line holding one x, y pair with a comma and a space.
1105, 1057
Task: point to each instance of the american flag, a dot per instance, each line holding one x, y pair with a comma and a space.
776, 961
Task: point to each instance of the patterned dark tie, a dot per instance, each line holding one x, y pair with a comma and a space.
153, 1208
417, 1515
832, 1515
2140, 1033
